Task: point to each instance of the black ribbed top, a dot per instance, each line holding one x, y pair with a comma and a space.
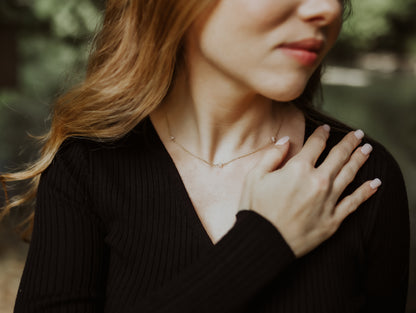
115, 231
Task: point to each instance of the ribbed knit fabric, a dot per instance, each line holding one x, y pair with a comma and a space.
115, 231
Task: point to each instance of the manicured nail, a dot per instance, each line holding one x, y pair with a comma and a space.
282, 141
359, 134
327, 127
375, 183
366, 149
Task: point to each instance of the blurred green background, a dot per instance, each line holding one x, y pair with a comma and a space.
370, 83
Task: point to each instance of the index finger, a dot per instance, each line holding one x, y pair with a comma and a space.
315, 144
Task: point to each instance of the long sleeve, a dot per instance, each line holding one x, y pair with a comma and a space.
387, 242
224, 280
65, 268
115, 232
68, 260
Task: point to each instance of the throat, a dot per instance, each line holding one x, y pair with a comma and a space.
218, 148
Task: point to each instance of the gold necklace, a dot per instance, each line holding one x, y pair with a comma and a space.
273, 139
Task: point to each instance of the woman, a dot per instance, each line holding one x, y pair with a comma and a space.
194, 175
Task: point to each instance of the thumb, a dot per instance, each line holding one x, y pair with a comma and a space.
274, 156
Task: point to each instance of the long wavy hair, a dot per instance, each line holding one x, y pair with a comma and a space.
131, 67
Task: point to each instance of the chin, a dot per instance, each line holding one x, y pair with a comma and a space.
282, 90
280, 94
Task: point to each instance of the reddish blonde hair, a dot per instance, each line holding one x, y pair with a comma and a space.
130, 71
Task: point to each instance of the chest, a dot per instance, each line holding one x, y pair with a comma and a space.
215, 196
215, 193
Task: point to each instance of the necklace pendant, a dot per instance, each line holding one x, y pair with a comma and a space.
273, 139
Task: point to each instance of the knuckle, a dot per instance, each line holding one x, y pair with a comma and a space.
334, 224
348, 142
321, 135
348, 200
349, 172
366, 192
322, 138
354, 199
343, 151
330, 228
322, 181
300, 165
360, 157
361, 192
357, 157
350, 137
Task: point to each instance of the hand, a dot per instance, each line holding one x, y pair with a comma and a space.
301, 200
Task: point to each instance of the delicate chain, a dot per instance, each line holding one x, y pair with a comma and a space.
273, 139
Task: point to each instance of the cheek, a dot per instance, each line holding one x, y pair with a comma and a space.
227, 39
258, 16
261, 12
334, 28
248, 17
238, 31
242, 51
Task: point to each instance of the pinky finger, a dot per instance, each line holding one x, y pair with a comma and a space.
350, 203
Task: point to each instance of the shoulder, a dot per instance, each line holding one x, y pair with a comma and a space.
381, 160
387, 210
82, 163
380, 164
388, 207
91, 163
78, 158
79, 150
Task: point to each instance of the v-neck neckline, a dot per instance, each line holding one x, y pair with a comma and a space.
179, 186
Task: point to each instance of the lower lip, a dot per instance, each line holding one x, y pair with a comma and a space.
304, 57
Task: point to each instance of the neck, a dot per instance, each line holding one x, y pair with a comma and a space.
217, 120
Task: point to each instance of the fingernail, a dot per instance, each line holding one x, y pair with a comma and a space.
366, 149
359, 134
327, 127
375, 183
282, 141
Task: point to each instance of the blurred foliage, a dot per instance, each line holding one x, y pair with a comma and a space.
54, 38
381, 25
75, 18
53, 41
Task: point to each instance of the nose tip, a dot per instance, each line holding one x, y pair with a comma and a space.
321, 12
